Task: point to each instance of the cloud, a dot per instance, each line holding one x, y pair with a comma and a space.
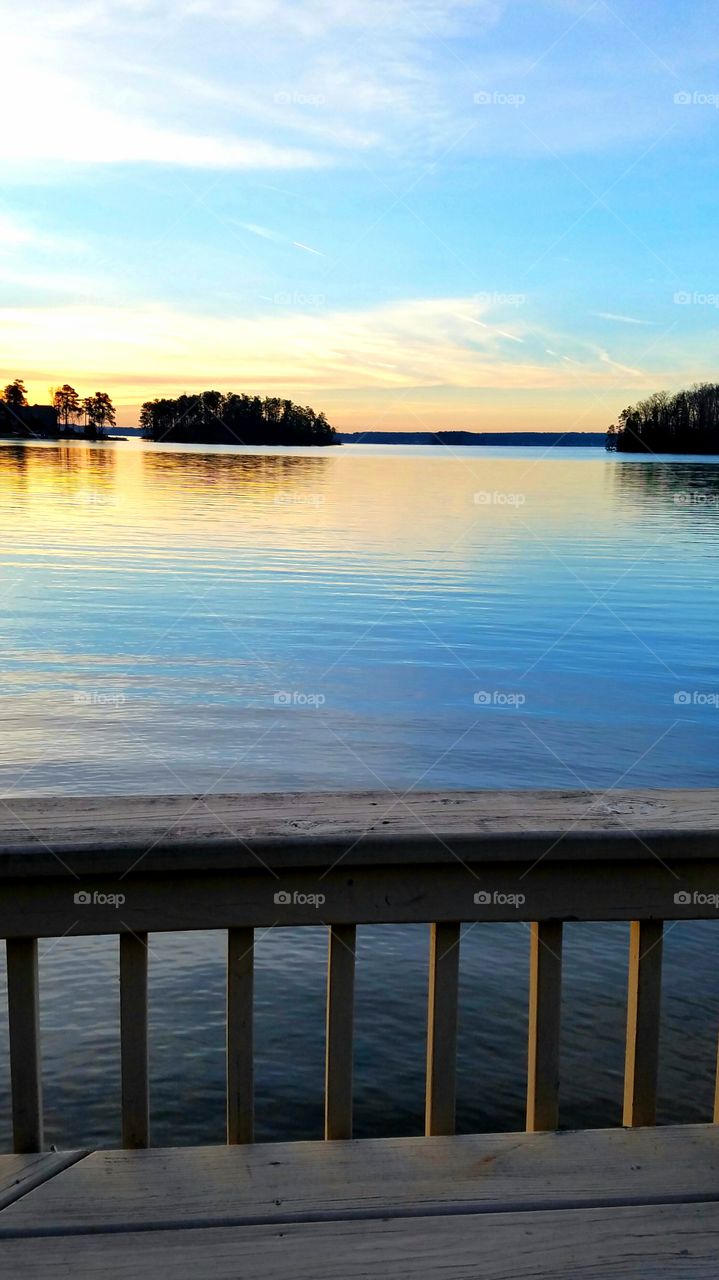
73, 134
418, 343
608, 315
298, 84
266, 233
63, 119
634, 373
18, 234
115, 82
493, 328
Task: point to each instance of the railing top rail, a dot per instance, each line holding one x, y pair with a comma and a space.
232, 833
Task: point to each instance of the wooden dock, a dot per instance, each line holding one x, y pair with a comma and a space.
601, 1204
632, 1202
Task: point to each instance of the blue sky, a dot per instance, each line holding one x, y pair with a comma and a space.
487, 214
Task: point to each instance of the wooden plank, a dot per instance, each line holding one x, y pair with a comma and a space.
240, 1035
100, 834
442, 1010
664, 1242
716, 1094
545, 1013
372, 895
25, 1064
340, 1031
134, 1041
282, 1182
643, 1013
22, 1173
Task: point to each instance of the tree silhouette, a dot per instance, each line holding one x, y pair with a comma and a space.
214, 418
67, 402
99, 413
687, 422
15, 394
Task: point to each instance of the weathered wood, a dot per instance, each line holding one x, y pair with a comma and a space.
22, 1173
643, 1014
340, 1028
545, 1008
646, 1242
134, 1041
442, 1011
716, 1093
101, 835
374, 894
25, 1062
240, 1035
290, 1181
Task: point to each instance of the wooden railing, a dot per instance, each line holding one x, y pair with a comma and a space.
135, 866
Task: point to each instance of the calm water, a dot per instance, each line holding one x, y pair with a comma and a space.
176, 620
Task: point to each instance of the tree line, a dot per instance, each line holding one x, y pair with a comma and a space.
216, 418
687, 422
211, 417
95, 412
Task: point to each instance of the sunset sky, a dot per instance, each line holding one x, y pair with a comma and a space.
486, 214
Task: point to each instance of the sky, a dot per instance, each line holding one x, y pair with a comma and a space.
473, 214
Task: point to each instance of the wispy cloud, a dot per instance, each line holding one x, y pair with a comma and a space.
266, 233
502, 333
609, 315
418, 343
624, 368
18, 234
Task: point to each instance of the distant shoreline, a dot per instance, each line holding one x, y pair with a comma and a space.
438, 439
570, 439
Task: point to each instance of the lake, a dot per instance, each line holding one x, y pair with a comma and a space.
186, 620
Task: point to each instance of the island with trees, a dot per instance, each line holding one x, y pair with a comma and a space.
212, 417
687, 422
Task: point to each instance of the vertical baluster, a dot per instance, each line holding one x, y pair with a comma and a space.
340, 1011
716, 1094
24, 1022
643, 1009
545, 1006
440, 1090
240, 1052
133, 1040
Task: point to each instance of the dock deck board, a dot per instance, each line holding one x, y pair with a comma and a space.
20, 1174
646, 1242
291, 1181
602, 1203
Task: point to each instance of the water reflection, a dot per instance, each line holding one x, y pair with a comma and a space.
687, 483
